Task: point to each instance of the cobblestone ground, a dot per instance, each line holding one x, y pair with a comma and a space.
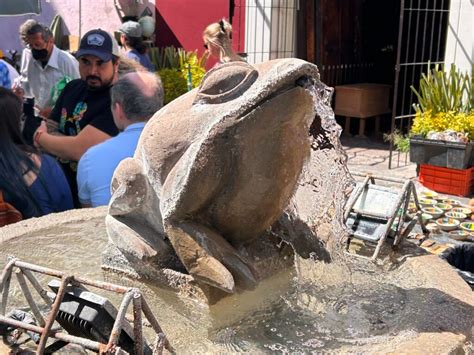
367, 156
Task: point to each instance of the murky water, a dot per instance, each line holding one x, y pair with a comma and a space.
286, 316
319, 309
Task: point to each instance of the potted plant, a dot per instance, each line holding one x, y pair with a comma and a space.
443, 129
180, 71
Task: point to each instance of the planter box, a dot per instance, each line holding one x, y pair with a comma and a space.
440, 153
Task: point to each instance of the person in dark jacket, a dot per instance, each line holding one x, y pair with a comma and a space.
32, 182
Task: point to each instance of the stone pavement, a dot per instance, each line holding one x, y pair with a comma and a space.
368, 156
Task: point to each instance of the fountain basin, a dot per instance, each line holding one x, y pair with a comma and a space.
421, 305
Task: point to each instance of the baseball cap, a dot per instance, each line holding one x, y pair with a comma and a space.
98, 43
131, 29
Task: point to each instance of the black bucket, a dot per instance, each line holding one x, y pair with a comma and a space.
462, 258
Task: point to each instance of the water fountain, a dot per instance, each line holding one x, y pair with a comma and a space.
229, 218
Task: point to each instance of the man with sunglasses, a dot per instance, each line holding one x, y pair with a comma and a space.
43, 65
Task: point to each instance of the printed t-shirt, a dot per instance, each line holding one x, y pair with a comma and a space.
76, 108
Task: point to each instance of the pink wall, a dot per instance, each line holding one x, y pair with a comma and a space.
91, 14
181, 22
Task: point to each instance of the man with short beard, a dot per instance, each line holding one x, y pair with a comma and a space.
82, 112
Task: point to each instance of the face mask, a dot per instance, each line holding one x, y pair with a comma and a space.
39, 54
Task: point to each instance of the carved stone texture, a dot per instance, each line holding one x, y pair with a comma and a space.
213, 171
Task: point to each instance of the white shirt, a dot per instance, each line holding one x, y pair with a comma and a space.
37, 81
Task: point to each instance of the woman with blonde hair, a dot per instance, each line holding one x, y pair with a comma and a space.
217, 39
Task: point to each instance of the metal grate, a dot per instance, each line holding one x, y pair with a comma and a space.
270, 28
421, 44
333, 75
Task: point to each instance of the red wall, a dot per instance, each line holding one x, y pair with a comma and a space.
180, 23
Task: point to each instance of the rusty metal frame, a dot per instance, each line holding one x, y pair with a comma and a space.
408, 189
131, 295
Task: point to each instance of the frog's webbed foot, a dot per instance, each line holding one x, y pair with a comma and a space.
208, 257
129, 186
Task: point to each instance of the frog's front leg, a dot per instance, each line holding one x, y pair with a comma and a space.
134, 223
190, 188
208, 257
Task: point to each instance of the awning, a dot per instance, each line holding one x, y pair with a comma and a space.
23, 7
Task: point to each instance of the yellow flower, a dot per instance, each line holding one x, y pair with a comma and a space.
459, 122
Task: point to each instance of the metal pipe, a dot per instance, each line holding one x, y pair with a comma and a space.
139, 306
418, 207
159, 342
137, 322
397, 78
352, 202
57, 334
399, 201
117, 328
417, 27
5, 271
53, 313
378, 177
99, 284
26, 292
6, 287
441, 17
41, 291
154, 323
433, 17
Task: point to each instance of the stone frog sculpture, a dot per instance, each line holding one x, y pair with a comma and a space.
213, 170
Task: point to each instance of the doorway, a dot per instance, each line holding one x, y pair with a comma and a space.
357, 41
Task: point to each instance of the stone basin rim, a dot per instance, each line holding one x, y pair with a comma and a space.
427, 267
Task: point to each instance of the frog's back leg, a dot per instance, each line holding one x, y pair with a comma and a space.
189, 189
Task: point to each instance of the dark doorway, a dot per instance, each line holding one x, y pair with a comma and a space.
351, 41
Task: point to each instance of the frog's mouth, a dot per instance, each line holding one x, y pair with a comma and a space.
304, 82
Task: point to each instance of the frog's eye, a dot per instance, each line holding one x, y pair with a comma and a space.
225, 83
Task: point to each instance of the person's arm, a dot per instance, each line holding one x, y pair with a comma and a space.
21, 86
69, 147
82, 178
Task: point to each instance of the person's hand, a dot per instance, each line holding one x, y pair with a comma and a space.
18, 91
44, 112
42, 129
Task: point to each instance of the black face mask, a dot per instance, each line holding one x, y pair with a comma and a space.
39, 54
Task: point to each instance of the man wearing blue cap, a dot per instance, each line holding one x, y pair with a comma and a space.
82, 112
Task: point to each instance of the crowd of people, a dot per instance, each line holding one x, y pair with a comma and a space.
67, 121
